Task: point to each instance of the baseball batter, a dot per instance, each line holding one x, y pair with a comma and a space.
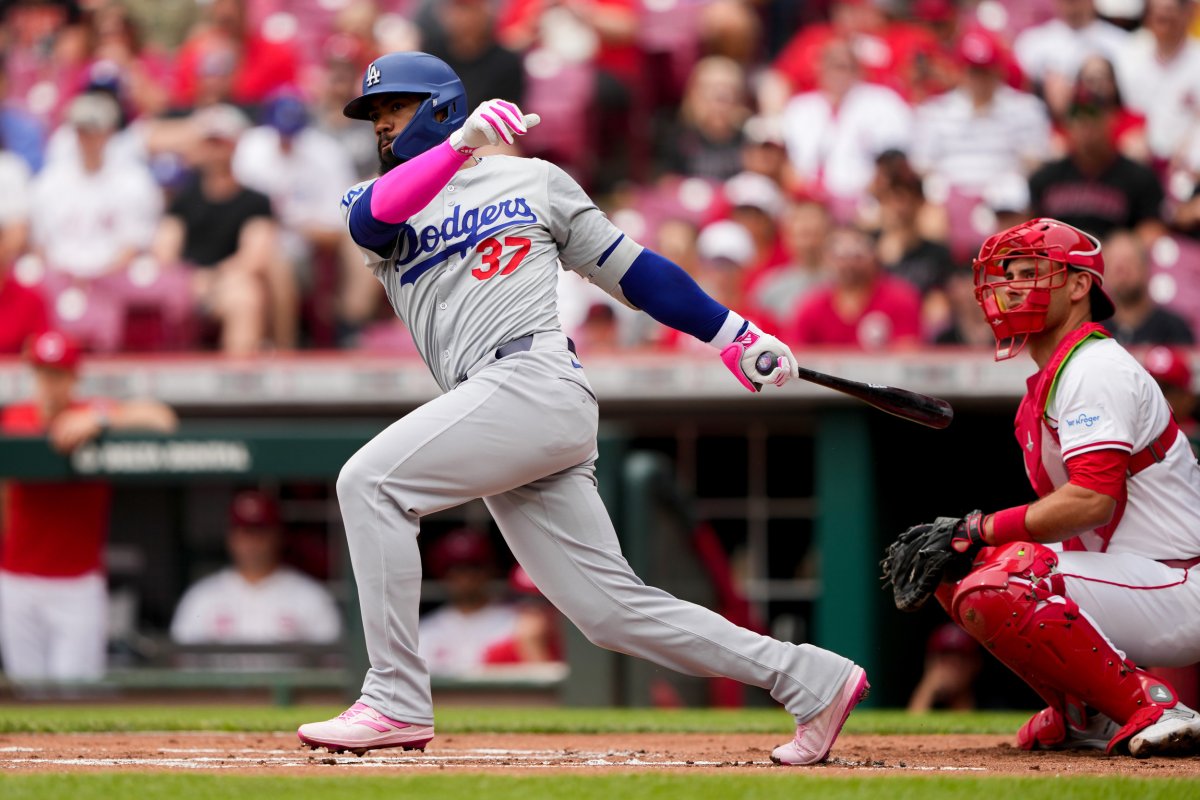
468, 250
1098, 575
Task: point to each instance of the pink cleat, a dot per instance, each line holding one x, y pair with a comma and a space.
814, 739
361, 728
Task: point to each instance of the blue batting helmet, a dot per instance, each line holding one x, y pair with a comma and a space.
421, 74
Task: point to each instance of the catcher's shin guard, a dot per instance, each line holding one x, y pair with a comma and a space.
1015, 605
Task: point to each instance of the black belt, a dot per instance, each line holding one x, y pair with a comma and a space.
523, 344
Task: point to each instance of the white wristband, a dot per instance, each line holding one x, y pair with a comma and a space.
729, 329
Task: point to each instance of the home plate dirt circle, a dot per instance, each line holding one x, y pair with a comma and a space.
276, 753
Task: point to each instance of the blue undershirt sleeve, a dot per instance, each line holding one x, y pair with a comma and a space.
367, 231
668, 294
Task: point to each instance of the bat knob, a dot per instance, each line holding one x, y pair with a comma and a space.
766, 362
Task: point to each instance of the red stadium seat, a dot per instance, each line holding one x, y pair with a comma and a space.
561, 92
965, 214
1175, 277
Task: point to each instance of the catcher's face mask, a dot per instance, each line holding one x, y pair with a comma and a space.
1018, 270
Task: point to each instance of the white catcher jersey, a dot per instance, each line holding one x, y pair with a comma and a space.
478, 266
1105, 400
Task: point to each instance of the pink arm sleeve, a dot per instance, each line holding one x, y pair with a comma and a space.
406, 189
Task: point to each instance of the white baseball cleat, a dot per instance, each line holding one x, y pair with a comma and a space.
361, 728
814, 738
1176, 733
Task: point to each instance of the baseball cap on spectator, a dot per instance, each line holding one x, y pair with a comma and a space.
752, 190
725, 241
286, 113
1169, 367
94, 111
253, 508
220, 121
53, 349
461, 547
600, 312
978, 49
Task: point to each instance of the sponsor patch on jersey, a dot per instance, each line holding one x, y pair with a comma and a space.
462, 230
1084, 419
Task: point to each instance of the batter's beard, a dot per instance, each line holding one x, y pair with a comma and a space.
388, 161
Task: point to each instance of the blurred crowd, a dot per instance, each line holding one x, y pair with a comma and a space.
170, 170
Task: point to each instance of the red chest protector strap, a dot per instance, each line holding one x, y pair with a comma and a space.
1032, 413
1156, 451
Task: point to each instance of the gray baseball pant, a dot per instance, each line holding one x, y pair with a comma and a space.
521, 433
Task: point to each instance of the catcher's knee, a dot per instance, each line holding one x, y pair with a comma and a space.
1001, 594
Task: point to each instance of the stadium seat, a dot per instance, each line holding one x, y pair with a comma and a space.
1175, 276
561, 92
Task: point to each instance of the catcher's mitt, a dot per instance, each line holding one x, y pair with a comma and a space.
924, 555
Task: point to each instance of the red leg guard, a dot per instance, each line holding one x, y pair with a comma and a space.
1014, 604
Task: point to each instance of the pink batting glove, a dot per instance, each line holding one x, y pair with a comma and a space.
493, 122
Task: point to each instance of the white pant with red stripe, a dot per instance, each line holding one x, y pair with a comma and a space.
1148, 610
53, 629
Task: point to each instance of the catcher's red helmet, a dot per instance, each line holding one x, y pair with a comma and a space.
1046, 240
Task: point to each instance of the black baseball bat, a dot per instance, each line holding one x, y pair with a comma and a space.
922, 409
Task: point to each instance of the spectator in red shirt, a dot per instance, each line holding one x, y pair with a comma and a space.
862, 306
537, 635
53, 596
22, 310
885, 49
773, 295
257, 66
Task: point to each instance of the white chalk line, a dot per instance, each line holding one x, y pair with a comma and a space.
242, 757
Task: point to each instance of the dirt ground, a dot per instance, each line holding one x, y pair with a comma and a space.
535, 753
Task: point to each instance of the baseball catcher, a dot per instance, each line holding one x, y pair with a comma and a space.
1077, 589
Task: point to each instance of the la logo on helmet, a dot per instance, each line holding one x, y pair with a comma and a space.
373, 76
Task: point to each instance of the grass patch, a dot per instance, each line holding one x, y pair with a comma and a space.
38, 718
497, 786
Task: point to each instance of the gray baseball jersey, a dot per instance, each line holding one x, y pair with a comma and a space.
475, 269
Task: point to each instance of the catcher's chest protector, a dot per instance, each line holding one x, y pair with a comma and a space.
1014, 604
